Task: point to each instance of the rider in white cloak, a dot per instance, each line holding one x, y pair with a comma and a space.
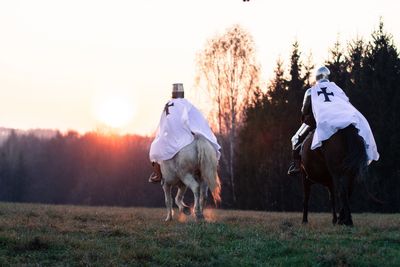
179, 122
332, 111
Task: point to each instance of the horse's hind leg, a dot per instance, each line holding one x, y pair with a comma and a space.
168, 201
344, 193
332, 197
203, 195
306, 197
190, 182
179, 199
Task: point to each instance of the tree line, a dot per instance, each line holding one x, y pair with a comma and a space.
254, 123
92, 169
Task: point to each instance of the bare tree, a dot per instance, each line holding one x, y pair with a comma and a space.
227, 68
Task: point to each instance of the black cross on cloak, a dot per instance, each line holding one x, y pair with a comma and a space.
325, 94
166, 108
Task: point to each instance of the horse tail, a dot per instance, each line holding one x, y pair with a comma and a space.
356, 159
208, 166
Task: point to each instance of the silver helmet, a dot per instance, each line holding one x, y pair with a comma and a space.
322, 74
177, 90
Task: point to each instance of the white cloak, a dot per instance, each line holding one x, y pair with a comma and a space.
335, 112
179, 121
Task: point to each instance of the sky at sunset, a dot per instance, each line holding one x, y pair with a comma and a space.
84, 64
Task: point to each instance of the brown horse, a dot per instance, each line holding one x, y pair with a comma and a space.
335, 165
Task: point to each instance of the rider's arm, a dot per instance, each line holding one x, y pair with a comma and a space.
306, 108
306, 111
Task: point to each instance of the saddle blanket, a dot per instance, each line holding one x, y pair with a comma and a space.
333, 111
179, 121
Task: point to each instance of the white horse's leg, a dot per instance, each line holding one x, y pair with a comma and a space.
179, 199
168, 201
190, 182
203, 195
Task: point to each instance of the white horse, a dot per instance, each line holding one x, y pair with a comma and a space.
194, 166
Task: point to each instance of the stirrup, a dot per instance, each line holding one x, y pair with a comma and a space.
293, 169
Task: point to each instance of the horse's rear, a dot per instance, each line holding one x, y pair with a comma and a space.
194, 166
337, 163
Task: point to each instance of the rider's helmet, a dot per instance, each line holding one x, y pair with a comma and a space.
177, 90
322, 74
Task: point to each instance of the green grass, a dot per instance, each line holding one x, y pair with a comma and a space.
46, 235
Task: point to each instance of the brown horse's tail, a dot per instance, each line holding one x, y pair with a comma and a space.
356, 160
208, 167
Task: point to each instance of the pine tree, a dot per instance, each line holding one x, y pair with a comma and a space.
296, 83
337, 65
381, 96
308, 68
265, 145
354, 62
277, 89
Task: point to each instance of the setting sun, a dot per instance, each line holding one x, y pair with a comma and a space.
113, 110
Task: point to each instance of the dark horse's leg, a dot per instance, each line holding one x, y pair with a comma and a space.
344, 196
332, 197
306, 197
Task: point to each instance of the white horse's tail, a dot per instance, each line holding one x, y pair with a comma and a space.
208, 166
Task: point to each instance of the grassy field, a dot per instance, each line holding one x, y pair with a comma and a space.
47, 235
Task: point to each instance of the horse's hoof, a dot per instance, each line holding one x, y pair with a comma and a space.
340, 220
334, 221
186, 211
200, 217
304, 222
168, 219
349, 223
